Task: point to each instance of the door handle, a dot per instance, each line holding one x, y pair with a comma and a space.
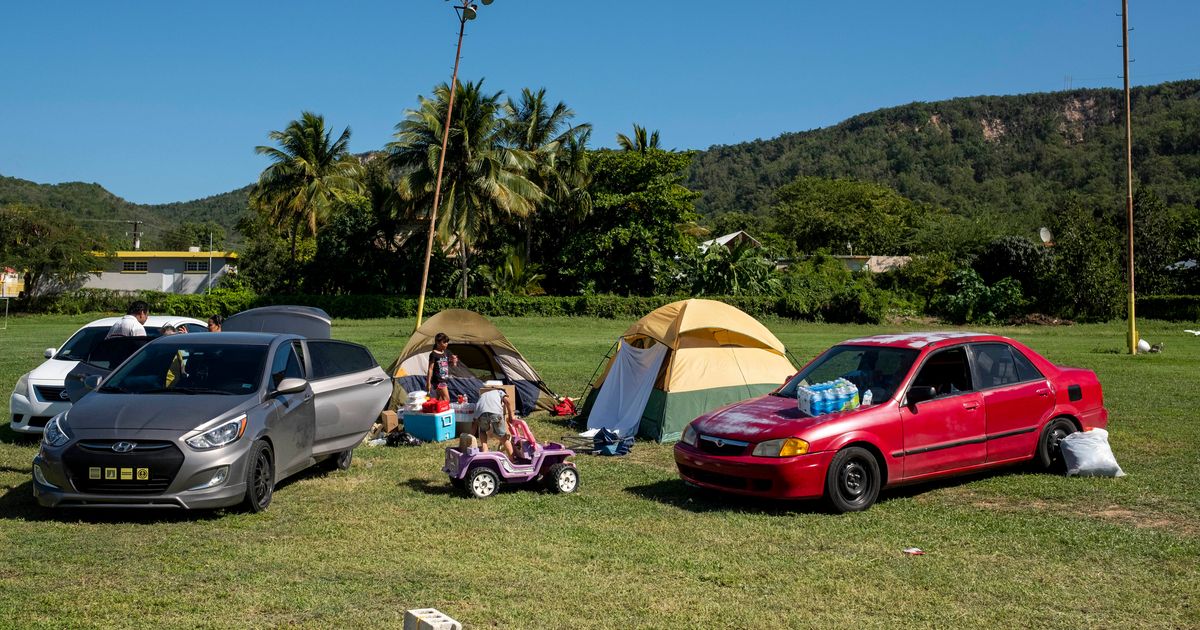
970, 406
375, 381
1044, 391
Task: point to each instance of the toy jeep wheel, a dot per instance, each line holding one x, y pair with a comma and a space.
482, 483
563, 478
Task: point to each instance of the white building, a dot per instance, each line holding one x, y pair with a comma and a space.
172, 272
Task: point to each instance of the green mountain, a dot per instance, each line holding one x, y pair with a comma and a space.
101, 211
979, 155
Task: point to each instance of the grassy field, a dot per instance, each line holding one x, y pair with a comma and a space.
634, 547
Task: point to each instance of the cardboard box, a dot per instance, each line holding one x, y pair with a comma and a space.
390, 421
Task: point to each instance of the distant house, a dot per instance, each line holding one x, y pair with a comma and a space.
11, 282
172, 272
874, 264
730, 240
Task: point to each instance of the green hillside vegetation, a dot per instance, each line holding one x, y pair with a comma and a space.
1007, 157
102, 212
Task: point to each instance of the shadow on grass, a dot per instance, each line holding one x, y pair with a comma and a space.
677, 493
8, 436
18, 503
434, 488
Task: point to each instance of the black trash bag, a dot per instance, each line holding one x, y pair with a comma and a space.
402, 438
607, 442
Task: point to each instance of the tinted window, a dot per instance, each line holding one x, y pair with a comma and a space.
195, 368
947, 371
81, 343
193, 328
1026, 371
286, 365
109, 353
335, 358
874, 368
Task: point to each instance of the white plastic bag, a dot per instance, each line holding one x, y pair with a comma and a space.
1088, 454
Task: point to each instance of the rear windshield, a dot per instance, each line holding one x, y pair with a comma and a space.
183, 368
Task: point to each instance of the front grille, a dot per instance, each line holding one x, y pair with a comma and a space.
38, 421
50, 393
162, 461
720, 446
716, 479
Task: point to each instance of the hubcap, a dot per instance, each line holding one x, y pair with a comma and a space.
854, 480
483, 485
567, 480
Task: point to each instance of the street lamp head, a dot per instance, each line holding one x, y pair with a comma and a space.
470, 12
486, 2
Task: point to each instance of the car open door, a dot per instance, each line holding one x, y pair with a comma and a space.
350, 389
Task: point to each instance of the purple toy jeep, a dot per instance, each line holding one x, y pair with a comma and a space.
481, 473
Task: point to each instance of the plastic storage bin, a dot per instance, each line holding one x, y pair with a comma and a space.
430, 427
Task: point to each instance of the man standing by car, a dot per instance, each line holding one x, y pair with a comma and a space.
132, 325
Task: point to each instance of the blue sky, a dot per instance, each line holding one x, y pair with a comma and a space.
165, 101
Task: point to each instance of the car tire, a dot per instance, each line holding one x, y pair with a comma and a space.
482, 482
853, 481
563, 478
1048, 457
260, 477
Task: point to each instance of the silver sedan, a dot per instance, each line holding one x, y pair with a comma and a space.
204, 421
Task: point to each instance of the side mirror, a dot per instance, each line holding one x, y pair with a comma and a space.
290, 386
921, 393
92, 381
49, 353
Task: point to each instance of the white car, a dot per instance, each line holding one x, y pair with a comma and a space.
40, 393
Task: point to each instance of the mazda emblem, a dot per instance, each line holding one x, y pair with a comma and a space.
123, 447
720, 443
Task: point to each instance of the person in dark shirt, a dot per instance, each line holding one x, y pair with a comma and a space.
437, 379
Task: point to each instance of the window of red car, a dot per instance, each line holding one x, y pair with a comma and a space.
998, 364
947, 371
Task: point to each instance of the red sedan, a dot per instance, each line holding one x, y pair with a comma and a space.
940, 404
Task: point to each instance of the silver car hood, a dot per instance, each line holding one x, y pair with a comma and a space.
169, 412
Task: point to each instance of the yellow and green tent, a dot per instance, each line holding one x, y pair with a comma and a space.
712, 354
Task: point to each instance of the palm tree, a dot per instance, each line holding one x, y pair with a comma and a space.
483, 179
310, 172
531, 125
639, 142
515, 275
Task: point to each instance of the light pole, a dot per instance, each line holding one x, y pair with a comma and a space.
1133, 336
466, 11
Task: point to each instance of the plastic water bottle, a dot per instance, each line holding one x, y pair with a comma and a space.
867, 398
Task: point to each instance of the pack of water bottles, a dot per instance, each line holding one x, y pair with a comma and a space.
822, 398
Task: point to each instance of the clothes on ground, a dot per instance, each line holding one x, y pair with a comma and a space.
127, 326
494, 424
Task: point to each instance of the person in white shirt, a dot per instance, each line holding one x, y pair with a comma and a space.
492, 413
132, 325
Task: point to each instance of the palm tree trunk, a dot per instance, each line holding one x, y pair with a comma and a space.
463, 255
529, 238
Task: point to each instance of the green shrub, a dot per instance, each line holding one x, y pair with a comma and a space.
1178, 308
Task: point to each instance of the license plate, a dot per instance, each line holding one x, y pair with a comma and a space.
118, 474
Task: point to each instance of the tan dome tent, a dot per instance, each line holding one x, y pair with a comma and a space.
484, 354
680, 361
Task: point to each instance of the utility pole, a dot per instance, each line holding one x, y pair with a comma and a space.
1133, 336
137, 234
208, 288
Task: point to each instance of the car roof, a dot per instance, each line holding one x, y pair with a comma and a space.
225, 338
154, 321
921, 340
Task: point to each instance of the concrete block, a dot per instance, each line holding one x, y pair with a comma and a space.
429, 619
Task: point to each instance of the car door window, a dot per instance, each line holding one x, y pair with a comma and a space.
947, 371
286, 365
337, 358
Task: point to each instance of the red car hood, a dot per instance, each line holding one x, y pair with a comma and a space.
762, 418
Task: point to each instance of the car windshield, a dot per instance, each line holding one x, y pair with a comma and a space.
871, 368
190, 368
82, 343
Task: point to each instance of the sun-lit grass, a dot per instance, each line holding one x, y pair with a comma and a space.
634, 547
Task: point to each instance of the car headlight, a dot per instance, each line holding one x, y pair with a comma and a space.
689, 436
22, 387
784, 447
225, 433
55, 433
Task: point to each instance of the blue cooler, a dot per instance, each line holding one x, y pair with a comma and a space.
430, 427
